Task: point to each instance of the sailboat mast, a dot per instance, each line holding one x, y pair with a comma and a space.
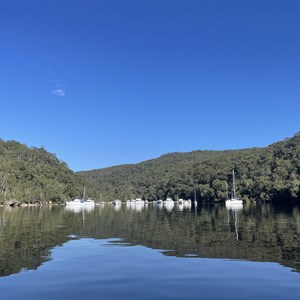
233, 181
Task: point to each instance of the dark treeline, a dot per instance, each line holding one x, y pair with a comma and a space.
33, 175
262, 174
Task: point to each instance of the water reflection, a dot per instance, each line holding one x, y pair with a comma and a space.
169, 206
79, 209
233, 210
180, 206
253, 232
117, 207
135, 206
187, 205
138, 207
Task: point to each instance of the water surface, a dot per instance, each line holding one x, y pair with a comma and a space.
150, 252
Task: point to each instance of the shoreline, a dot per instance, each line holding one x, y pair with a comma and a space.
25, 204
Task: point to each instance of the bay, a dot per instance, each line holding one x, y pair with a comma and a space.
150, 252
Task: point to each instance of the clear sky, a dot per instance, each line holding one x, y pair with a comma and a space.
102, 83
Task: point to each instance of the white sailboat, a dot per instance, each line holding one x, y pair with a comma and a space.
234, 200
81, 202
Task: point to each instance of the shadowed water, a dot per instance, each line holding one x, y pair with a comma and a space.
150, 252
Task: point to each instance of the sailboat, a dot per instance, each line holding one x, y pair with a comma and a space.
234, 200
81, 202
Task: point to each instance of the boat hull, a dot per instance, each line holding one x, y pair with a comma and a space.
234, 201
79, 203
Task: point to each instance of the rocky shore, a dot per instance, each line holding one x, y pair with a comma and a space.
16, 203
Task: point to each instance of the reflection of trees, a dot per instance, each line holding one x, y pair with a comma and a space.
265, 233
26, 238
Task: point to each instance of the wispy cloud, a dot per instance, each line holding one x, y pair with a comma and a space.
59, 92
58, 88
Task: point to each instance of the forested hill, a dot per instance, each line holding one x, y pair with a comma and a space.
270, 173
33, 175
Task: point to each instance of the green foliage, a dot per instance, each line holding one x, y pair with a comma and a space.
269, 173
33, 175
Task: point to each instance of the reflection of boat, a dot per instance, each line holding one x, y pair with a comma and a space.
117, 207
235, 208
234, 199
187, 204
169, 205
135, 205
79, 208
180, 205
128, 204
159, 204
138, 207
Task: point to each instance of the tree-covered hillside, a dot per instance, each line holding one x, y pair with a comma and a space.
269, 173
33, 175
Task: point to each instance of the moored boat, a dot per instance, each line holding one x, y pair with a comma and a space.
169, 200
234, 200
117, 202
139, 201
81, 202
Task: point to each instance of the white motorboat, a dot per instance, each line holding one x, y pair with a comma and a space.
139, 201
169, 200
117, 202
180, 201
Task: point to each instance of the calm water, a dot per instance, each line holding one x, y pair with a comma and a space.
150, 253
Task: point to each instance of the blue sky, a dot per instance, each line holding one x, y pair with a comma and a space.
102, 83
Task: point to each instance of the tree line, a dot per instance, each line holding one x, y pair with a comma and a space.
33, 175
262, 174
